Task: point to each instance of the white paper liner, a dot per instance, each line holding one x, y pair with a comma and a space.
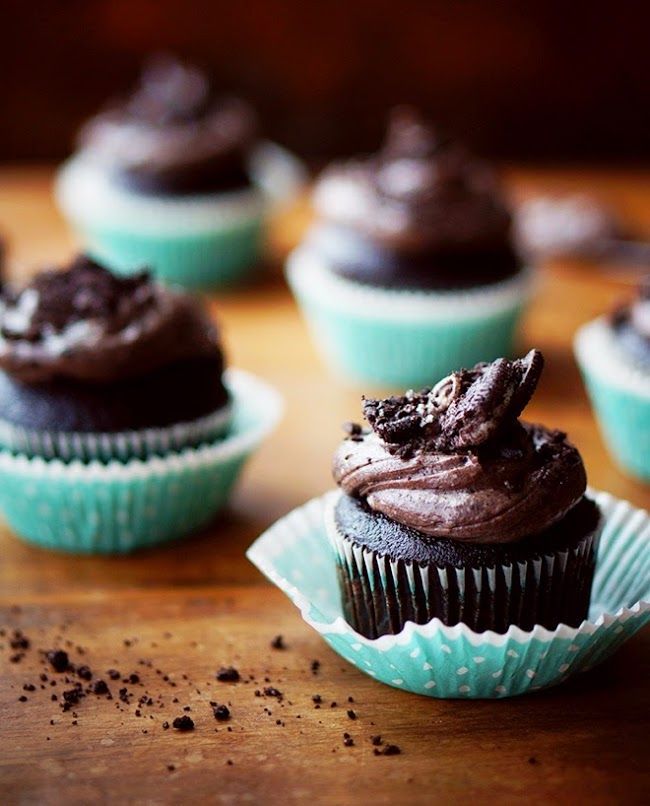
122, 445
310, 277
239, 383
597, 348
85, 192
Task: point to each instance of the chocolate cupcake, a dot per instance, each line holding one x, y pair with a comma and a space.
613, 352
166, 178
409, 270
119, 428
453, 508
93, 366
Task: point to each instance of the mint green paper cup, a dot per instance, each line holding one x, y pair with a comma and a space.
620, 396
456, 662
117, 507
198, 242
402, 338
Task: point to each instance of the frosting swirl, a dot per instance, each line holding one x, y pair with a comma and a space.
87, 324
173, 134
456, 462
421, 212
631, 324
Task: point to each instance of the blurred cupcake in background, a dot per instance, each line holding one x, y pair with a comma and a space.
118, 425
614, 355
175, 177
409, 270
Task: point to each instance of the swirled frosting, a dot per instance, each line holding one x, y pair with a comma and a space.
173, 134
85, 323
631, 324
420, 213
456, 462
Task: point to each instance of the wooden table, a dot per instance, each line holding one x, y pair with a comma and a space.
188, 608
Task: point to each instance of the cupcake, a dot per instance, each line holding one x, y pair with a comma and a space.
113, 396
451, 508
409, 270
165, 178
614, 356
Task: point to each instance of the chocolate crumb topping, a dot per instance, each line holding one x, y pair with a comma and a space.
86, 324
228, 674
221, 713
58, 659
183, 723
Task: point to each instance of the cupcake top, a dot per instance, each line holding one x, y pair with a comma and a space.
173, 134
456, 462
631, 324
420, 213
86, 324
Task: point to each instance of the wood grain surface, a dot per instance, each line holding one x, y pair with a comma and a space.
191, 607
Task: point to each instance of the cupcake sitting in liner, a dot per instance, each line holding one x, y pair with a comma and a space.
174, 177
409, 270
452, 508
118, 426
614, 355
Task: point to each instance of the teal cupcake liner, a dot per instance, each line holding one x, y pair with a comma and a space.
198, 242
440, 661
620, 395
121, 445
383, 337
119, 507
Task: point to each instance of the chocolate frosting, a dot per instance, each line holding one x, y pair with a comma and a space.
420, 213
173, 134
631, 324
455, 461
87, 324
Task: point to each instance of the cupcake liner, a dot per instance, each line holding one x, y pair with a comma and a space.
118, 507
380, 595
404, 338
620, 395
122, 445
440, 661
198, 242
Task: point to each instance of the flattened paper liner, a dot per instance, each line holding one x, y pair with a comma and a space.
442, 661
381, 595
122, 506
404, 338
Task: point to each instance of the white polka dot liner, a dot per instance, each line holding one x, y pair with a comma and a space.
442, 661
120, 506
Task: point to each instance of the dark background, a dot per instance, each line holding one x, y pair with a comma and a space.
547, 81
